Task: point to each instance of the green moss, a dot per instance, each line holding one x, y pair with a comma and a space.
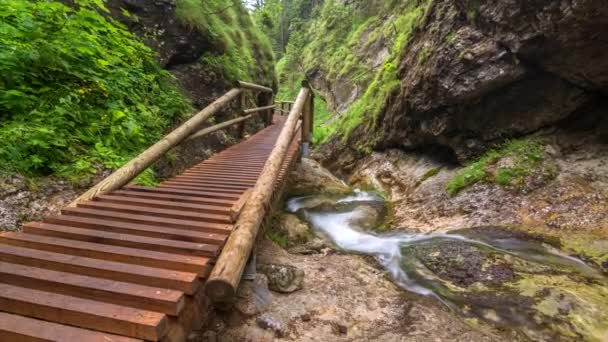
526, 156
424, 54
429, 174
277, 237
450, 37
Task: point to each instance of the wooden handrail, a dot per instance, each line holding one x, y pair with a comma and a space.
223, 282
219, 126
259, 109
137, 165
256, 87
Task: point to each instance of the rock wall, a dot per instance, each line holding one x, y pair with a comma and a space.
497, 69
478, 72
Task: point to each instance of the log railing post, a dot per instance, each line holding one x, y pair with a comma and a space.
307, 121
241, 125
224, 280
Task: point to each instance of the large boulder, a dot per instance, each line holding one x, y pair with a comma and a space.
310, 177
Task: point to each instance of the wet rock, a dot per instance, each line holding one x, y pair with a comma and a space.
314, 246
283, 278
310, 178
464, 264
269, 323
293, 228
528, 288
367, 216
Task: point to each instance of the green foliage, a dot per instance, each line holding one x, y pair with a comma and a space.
240, 50
77, 90
290, 85
526, 156
328, 44
277, 236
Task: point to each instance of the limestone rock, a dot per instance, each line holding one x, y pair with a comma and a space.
283, 278
310, 177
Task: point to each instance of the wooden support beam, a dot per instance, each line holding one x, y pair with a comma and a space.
259, 109
133, 168
223, 282
252, 86
217, 127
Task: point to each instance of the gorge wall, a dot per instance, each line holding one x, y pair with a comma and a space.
456, 76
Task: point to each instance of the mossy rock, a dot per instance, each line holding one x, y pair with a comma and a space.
548, 300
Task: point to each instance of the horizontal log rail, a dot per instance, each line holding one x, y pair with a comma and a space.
251, 86
259, 109
137, 165
222, 284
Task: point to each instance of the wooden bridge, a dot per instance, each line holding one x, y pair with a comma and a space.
129, 263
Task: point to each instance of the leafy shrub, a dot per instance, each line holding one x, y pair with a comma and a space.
77, 90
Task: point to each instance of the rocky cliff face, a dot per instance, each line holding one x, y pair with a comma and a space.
497, 69
475, 73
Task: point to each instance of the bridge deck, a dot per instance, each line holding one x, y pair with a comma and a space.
129, 265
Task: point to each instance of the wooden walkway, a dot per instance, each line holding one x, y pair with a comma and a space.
130, 265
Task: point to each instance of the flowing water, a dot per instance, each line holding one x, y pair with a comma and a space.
506, 278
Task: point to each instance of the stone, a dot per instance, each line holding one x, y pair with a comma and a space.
293, 228
366, 216
339, 329
254, 296
283, 278
269, 323
310, 177
314, 246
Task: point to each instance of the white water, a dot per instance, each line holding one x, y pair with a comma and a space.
387, 248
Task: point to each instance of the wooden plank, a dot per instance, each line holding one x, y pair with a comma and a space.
236, 209
156, 299
238, 175
226, 177
137, 229
14, 328
192, 193
175, 198
163, 203
150, 276
83, 313
140, 257
197, 179
209, 227
200, 188
205, 184
124, 240
159, 212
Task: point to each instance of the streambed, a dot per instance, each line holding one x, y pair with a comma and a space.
493, 274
